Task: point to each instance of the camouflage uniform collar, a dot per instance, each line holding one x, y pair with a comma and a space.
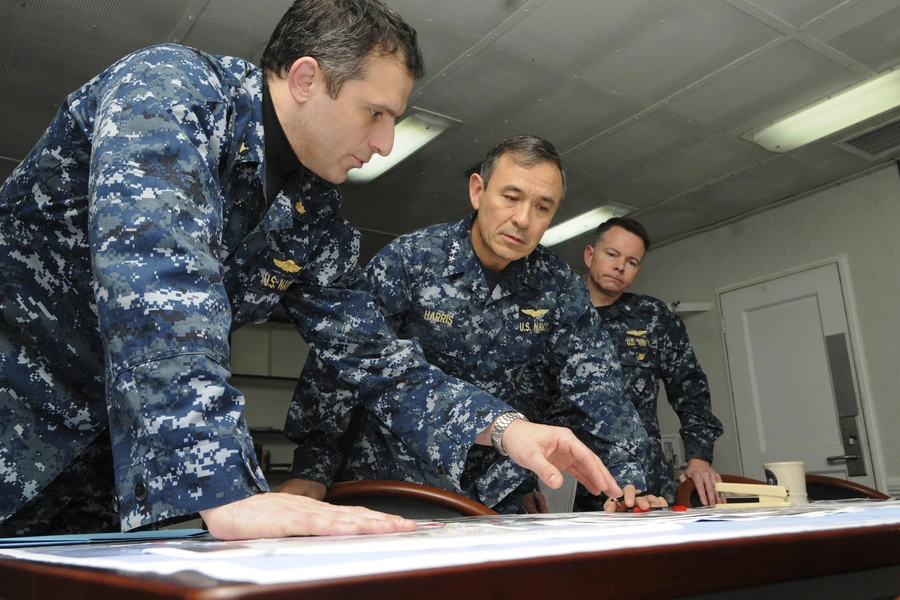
621, 305
250, 145
280, 158
461, 254
462, 260
305, 196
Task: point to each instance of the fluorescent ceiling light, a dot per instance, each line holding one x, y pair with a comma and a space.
416, 130
581, 224
834, 114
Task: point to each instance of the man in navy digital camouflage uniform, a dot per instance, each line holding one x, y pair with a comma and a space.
174, 198
653, 346
492, 307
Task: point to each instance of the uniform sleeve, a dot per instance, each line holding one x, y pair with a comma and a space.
687, 389
318, 416
580, 379
590, 396
179, 439
437, 416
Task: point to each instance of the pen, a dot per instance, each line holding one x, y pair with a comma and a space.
638, 495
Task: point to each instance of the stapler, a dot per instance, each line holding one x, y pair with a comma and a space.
750, 495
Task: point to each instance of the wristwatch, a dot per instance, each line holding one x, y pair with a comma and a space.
500, 426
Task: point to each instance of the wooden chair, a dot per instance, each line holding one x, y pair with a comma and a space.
409, 500
822, 487
818, 487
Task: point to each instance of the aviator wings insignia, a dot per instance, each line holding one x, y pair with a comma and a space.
287, 265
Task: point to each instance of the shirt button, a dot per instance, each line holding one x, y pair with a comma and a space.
115, 503
140, 491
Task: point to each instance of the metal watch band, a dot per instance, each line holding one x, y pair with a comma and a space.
500, 426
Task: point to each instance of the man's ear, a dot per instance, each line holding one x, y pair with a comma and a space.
588, 255
302, 78
476, 187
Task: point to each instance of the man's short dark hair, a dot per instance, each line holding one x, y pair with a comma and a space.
341, 35
625, 223
527, 151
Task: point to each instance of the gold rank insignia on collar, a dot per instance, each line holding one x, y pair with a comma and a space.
637, 332
537, 313
243, 148
287, 265
300, 208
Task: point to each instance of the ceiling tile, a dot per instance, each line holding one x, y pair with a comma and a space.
489, 87
696, 164
868, 32
567, 35
6, 169
227, 27
796, 13
770, 182
838, 163
778, 82
667, 55
638, 144
446, 29
50, 48
645, 98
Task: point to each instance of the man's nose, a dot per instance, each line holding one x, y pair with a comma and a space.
382, 141
522, 215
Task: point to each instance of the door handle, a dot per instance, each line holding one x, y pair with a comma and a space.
842, 457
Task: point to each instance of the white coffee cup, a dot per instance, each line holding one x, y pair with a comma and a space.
790, 474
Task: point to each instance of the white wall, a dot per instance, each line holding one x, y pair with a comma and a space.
859, 218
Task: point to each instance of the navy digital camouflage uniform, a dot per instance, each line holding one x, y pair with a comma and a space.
529, 341
133, 239
653, 346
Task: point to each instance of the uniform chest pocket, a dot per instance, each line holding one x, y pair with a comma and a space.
638, 352
526, 338
639, 358
443, 336
265, 288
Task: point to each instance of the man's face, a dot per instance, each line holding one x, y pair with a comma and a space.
614, 262
514, 210
334, 135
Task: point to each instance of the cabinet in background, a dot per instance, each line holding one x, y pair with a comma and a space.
266, 360
268, 350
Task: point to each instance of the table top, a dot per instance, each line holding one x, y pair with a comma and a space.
663, 559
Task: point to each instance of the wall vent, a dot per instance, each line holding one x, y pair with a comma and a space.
874, 144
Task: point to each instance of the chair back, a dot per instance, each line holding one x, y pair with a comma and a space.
822, 487
409, 500
818, 487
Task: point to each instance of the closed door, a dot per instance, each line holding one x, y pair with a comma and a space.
793, 376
